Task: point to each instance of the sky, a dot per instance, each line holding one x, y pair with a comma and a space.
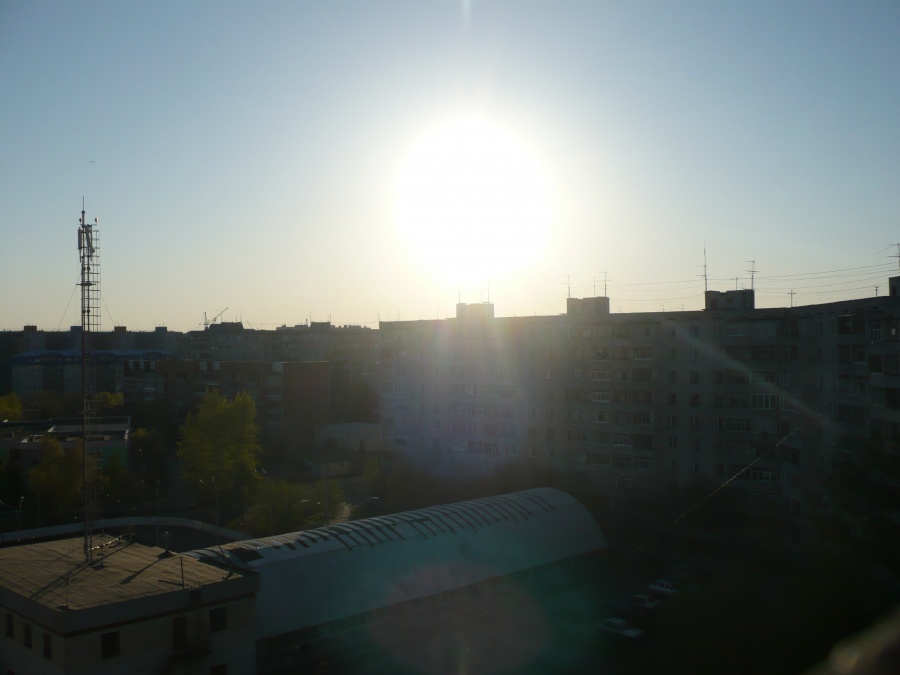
291, 161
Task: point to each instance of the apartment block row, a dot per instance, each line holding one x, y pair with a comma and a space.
635, 403
291, 371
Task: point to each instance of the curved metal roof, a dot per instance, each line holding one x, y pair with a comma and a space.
328, 573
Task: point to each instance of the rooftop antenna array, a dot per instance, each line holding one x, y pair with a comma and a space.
604, 285
897, 255
88, 253
705, 273
752, 272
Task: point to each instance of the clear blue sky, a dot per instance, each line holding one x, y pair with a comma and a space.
245, 155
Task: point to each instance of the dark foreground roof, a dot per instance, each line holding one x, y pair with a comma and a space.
316, 576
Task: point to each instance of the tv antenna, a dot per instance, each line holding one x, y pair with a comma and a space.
705, 276
752, 271
604, 285
896, 255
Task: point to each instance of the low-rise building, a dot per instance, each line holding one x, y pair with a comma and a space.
132, 609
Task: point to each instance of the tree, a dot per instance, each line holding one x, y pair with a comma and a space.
10, 408
58, 478
111, 400
147, 456
49, 404
219, 447
282, 506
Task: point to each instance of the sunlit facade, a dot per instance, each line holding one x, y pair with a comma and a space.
632, 404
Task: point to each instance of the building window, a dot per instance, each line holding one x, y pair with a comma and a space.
673, 443
673, 421
673, 376
109, 645
673, 398
27, 635
218, 618
695, 400
695, 354
695, 377
695, 467
220, 669
624, 482
48, 646
10, 625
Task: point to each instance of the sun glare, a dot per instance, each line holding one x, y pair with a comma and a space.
472, 202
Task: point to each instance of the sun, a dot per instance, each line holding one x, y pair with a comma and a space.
473, 202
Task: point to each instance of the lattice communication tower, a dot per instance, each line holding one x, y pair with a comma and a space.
88, 252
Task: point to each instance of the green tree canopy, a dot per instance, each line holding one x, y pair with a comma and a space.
59, 475
282, 507
220, 445
147, 455
10, 408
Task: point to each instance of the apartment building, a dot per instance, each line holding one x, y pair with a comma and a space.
635, 403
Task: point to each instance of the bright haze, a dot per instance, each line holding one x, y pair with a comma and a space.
361, 160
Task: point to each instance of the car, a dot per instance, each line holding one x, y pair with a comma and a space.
665, 586
643, 601
620, 628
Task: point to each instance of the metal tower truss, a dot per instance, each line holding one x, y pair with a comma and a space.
88, 251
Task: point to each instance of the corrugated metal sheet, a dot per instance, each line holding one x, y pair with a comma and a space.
328, 573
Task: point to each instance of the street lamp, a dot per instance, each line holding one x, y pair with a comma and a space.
157, 513
265, 476
216, 488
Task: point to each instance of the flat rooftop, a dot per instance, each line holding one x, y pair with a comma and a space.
51, 577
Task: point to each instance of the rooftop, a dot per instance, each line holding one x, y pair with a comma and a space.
50, 579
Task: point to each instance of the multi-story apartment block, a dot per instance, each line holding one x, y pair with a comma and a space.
634, 403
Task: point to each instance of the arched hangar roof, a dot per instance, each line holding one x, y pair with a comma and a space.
316, 576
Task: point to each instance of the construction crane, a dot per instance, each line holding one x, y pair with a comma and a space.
206, 324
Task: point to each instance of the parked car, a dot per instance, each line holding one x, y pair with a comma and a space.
620, 628
665, 586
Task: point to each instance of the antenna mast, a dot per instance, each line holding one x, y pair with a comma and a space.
705, 274
752, 271
88, 247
